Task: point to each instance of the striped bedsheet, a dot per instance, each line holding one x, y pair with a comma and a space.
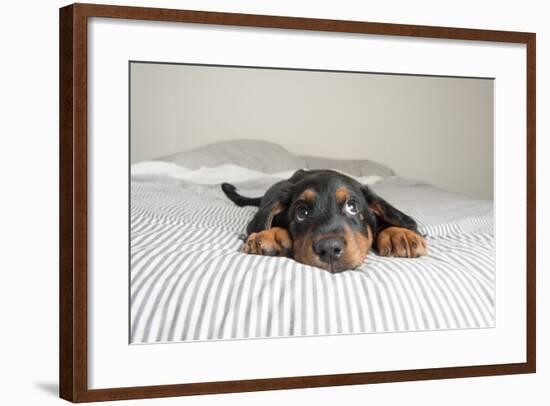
188, 280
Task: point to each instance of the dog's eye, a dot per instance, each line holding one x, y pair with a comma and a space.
351, 207
301, 213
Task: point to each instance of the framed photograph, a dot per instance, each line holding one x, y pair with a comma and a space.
254, 202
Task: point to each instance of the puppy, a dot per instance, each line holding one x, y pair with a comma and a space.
326, 219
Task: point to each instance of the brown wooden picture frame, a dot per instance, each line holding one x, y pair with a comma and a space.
73, 277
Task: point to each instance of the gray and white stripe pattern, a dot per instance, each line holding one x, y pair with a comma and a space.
190, 282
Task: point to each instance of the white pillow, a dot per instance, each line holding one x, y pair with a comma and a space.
263, 156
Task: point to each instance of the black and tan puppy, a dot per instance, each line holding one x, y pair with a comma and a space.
326, 219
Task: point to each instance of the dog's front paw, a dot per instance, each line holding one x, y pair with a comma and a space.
275, 242
400, 242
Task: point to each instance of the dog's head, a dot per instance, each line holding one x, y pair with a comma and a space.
329, 219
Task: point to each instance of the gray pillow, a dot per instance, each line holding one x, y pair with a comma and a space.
259, 155
362, 167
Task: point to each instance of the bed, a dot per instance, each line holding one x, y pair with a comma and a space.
189, 281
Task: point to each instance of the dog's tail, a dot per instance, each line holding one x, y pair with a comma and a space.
231, 192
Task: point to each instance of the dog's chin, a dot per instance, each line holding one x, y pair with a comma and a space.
332, 267
337, 267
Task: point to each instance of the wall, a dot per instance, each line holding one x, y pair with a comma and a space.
29, 204
436, 129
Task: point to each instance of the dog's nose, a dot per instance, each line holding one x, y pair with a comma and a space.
329, 249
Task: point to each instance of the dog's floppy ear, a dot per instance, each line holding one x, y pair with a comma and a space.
386, 214
274, 203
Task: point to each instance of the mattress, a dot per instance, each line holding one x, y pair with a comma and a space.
189, 281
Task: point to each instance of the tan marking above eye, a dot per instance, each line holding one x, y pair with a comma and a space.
308, 195
342, 194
